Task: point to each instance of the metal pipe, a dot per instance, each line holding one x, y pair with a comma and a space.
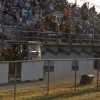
48, 77
75, 75
98, 73
15, 81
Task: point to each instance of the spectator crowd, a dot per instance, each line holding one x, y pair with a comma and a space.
44, 15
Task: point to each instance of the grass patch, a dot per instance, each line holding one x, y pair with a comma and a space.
63, 91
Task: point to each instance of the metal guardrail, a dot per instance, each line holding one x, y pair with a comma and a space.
57, 38
54, 36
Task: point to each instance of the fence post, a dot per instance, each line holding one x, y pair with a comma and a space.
75, 75
15, 81
98, 74
46, 40
48, 77
2, 36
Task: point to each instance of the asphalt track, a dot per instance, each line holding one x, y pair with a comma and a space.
52, 80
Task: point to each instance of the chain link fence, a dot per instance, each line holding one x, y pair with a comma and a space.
61, 73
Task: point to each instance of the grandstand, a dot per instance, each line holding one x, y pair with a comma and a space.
64, 29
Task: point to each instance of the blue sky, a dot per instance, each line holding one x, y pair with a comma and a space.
80, 2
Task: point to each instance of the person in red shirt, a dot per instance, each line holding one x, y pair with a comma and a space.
7, 53
58, 28
46, 26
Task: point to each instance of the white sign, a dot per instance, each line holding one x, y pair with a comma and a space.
86, 67
62, 68
4, 72
32, 70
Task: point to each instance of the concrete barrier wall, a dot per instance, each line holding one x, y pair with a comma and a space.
4, 68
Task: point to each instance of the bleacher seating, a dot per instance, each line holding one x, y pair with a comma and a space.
10, 30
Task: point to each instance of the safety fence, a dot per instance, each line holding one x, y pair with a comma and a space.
50, 71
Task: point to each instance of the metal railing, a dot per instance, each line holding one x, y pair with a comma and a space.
56, 37
52, 71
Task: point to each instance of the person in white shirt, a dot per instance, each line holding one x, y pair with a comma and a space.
24, 12
51, 6
29, 22
29, 53
27, 4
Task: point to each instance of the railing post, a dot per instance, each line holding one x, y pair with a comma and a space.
81, 40
58, 40
46, 40
69, 41
17, 32
92, 41
98, 73
2, 36
15, 81
75, 74
48, 77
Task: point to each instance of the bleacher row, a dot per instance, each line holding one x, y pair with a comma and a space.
14, 33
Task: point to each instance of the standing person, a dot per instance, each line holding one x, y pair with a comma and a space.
7, 53
16, 54
78, 32
30, 54
16, 57
24, 54
29, 13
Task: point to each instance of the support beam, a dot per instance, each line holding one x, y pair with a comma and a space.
51, 51
95, 51
63, 51
87, 52
76, 52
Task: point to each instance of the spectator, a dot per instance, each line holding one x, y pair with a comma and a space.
7, 53
46, 26
27, 4
29, 13
57, 28
37, 16
24, 12
24, 18
51, 6
24, 53
78, 32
